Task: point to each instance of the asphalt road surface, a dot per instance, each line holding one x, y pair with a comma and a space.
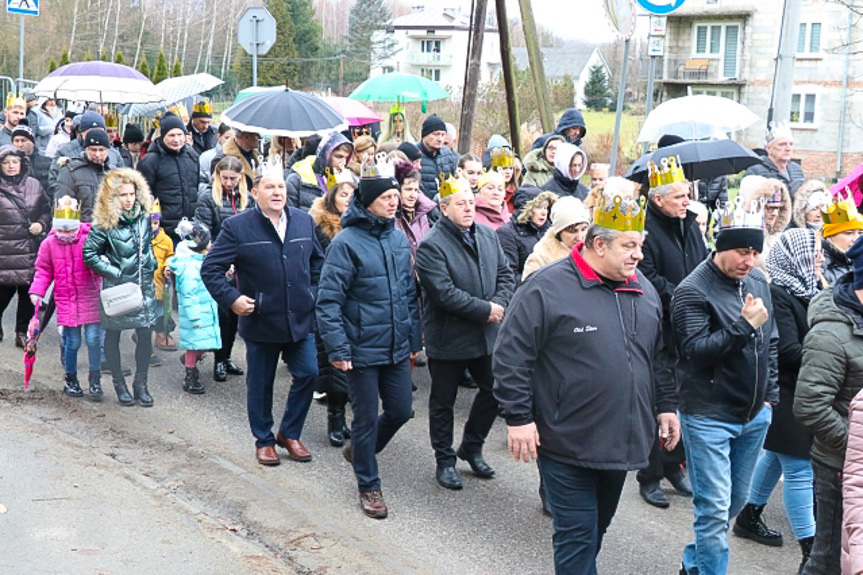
100, 488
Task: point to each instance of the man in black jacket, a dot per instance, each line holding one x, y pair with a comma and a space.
80, 178
672, 249
437, 159
576, 375
727, 342
778, 164
204, 135
466, 283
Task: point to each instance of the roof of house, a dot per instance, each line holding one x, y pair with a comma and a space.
434, 19
558, 61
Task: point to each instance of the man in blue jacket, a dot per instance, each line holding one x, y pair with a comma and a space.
277, 260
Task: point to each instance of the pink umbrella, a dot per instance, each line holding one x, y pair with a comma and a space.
852, 182
30, 346
356, 113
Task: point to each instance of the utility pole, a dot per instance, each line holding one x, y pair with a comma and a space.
469, 93
341, 73
783, 83
537, 68
508, 76
21, 49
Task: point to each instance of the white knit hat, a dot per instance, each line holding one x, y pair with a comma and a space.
568, 211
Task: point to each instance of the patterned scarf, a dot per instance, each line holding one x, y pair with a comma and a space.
791, 263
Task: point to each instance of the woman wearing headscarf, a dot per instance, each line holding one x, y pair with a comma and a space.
570, 163
569, 223
794, 263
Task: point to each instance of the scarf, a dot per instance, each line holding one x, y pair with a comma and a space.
131, 215
791, 263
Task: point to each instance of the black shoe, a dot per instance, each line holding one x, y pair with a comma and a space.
142, 395
220, 371
72, 388
477, 463
232, 368
94, 378
652, 494
123, 395
682, 571
192, 383
546, 508
155, 360
680, 482
448, 477
104, 368
806, 549
336, 425
467, 381
749, 525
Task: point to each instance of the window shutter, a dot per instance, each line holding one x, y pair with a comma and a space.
801, 39
730, 64
701, 40
815, 38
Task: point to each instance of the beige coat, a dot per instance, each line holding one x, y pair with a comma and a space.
547, 250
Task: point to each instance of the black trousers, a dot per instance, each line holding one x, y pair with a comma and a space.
827, 548
228, 329
143, 349
445, 376
25, 310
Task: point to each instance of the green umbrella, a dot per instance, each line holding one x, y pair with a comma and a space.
399, 87
252, 90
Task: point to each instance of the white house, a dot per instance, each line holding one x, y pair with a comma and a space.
575, 61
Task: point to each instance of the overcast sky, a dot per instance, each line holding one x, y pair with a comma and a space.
581, 19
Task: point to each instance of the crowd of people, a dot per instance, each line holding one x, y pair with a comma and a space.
614, 326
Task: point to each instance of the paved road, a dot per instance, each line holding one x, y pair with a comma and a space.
100, 488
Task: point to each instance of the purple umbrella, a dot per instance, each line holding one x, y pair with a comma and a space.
98, 81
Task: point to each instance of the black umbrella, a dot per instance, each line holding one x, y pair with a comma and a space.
701, 160
287, 112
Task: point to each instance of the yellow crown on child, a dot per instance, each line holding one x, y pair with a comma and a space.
737, 214
67, 208
449, 186
156, 208
623, 216
669, 171
841, 210
502, 158
13, 100
204, 107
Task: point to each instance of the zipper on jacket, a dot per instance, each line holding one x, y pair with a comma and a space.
629, 360
759, 333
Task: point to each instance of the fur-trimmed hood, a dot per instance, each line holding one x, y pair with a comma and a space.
801, 200
106, 213
760, 188
329, 223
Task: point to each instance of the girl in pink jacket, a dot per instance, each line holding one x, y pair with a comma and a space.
852, 492
76, 293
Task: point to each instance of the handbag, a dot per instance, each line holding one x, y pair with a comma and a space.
127, 297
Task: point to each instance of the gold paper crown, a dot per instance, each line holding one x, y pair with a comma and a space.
487, 176
670, 172
112, 120
621, 216
180, 109
13, 100
156, 208
205, 107
448, 186
841, 210
502, 158
67, 208
397, 109
341, 177
736, 214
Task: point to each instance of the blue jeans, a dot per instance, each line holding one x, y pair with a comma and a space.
262, 359
71, 340
370, 432
583, 502
797, 490
721, 458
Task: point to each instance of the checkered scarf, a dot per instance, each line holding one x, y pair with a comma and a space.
791, 263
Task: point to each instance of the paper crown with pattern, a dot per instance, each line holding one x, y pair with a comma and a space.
502, 158
841, 210
377, 167
14, 100
737, 215
449, 185
778, 130
67, 208
271, 167
156, 208
669, 171
620, 215
112, 120
203, 107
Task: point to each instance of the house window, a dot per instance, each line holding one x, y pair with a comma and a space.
803, 108
809, 38
430, 46
720, 41
724, 93
431, 73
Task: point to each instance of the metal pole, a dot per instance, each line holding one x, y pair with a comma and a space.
255, 52
841, 143
619, 113
784, 80
21, 50
651, 72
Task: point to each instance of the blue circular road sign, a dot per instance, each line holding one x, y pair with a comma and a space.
660, 6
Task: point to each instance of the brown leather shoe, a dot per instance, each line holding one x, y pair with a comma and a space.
296, 450
373, 504
348, 454
164, 342
267, 455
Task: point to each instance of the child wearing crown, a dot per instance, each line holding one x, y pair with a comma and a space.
76, 293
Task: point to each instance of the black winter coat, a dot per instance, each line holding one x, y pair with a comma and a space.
712, 191
39, 167
518, 241
80, 179
836, 263
563, 186
786, 435
433, 165
73, 149
768, 169
203, 142
282, 277
173, 180
209, 213
300, 194
458, 282
727, 369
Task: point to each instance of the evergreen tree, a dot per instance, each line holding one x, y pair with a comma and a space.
177, 70
308, 39
52, 65
275, 70
144, 66
597, 95
366, 47
105, 57
118, 58
88, 55
160, 72
242, 68
64, 57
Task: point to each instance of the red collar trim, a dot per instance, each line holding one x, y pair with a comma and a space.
588, 273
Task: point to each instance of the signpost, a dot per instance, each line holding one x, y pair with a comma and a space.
22, 8
256, 33
621, 17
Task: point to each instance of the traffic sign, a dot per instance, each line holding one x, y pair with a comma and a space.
23, 7
660, 6
256, 30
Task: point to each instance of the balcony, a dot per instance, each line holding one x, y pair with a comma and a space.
688, 69
429, 59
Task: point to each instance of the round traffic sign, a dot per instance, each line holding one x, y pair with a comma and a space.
660, 6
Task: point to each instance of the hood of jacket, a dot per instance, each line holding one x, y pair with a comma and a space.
8, 150
763, 192
107, 211
801, 200
325, 149
330, 223
535, 161
571, 118
838, 305
306, 170
358, 216
563, 158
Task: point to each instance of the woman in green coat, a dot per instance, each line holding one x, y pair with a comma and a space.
118, 249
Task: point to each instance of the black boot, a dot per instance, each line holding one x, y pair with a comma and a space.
123, 395
749, 525
806, 549
95, 380
192, 384
139, 388
232, 368
72, 388
336, 424
220, 371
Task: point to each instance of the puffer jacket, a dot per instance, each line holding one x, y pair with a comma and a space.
713, 192
852, 492
836, 263
209, 213
44, 128
768, 169
518, 241
547, 250
119, 250
563, 186
537, 169
727, 369
302, 184
173, 180
73, 149
163, 248
21, 204
76, 287
367, 304
445, 162
199, 314
831, 372
39, 167
80, 179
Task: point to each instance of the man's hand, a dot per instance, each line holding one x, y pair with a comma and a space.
669, 429
754, 311
166, 271
343, 365
414, 355
522, 441
35, 228
230, 273
243, 306
496, 314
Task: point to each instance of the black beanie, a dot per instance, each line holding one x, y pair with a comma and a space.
740, 238
669, 140
132, 134
371, 188
433, 123
97, 137
171, 122
410, 150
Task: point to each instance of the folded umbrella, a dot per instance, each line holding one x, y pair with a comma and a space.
701, 160
284, 112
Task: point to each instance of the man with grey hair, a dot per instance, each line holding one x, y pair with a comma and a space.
672, 249
584, 413
451, 139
